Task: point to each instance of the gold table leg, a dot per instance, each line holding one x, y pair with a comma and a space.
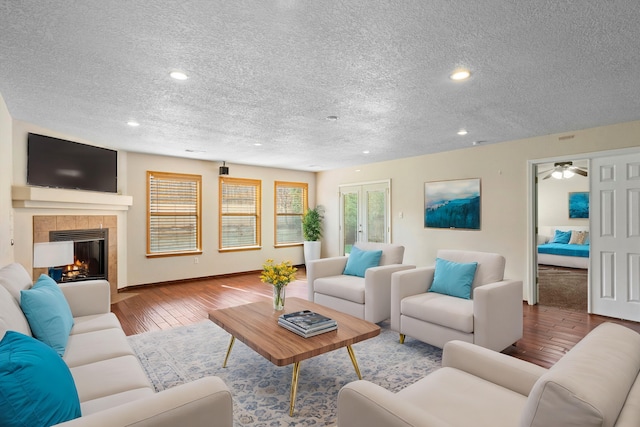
294, 387
233, 340
402, 336
354, 361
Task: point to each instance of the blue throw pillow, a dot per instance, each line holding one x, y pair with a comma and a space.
453, 278
561, 237
48, 313
360, 260
36, 386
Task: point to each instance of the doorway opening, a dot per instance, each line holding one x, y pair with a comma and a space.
562, 234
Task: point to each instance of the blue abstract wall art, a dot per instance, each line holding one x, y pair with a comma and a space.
452, 204
579, 204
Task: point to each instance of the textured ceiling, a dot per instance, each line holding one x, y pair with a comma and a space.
271, 71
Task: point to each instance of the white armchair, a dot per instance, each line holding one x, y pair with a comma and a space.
491, 318
365, 297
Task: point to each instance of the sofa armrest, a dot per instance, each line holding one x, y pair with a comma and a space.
498, 368
323, 267
362, 403
377, 290
87, 297
497, 314
204, 402
407, 283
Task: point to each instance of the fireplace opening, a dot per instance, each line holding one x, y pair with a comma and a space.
90, 253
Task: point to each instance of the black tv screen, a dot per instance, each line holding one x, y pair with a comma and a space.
53, 162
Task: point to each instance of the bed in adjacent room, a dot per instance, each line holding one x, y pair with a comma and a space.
565, 247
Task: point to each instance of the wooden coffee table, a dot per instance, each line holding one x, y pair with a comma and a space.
256, 325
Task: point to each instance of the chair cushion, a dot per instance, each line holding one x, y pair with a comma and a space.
453, 278
11, 316
350, 288
95, 346
443, 310
109, 377
462, 399
15, 279
589, 385
490, 265
48, 313
391, 254
360, 260
36, 387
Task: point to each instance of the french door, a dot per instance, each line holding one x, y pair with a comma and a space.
364, 214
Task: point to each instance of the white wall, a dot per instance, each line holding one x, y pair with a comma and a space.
6, 212
142, 270
503, 171
553, 202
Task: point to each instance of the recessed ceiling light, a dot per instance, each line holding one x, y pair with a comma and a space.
460, 75
133, 123
332, 118
365, 152
178, 75
462, 132
257, 144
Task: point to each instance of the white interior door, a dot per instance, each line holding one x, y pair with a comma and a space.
615, 236
364, 214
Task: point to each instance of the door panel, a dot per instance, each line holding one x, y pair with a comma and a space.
615, 240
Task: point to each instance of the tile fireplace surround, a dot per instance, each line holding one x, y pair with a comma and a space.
43, 224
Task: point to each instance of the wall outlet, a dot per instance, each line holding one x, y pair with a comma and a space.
196, 260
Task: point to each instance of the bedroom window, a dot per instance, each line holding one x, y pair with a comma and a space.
290, 206
173, 214
239, 204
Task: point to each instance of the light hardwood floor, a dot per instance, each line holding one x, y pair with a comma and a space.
549, 332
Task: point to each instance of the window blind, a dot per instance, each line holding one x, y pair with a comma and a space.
240, 201
290, 205
174, 213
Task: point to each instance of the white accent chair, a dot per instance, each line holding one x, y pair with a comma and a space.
595, 384
365, 297
492, 318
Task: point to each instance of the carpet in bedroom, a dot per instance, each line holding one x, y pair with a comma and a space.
563, 287
261, 390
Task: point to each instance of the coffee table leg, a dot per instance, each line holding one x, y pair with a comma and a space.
233, 339
352, 355
294, 387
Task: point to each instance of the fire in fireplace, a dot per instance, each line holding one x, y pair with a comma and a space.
90, 253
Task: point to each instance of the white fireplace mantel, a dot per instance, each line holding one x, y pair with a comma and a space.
57, 198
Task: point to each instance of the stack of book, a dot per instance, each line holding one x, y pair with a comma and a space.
307, 323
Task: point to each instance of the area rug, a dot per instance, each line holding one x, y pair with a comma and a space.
565, 288
261, 390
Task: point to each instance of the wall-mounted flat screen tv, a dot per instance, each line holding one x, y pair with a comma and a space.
53, 162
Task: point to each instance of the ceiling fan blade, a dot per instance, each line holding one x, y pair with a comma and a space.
548, 175
580, 171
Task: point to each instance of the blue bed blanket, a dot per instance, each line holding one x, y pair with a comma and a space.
564, 249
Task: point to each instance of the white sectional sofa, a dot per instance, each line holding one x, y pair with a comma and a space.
112, 387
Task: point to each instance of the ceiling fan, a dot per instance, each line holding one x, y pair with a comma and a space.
564, 170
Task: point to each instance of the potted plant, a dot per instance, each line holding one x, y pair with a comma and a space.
312, 231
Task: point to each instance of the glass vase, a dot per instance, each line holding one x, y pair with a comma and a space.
278, 298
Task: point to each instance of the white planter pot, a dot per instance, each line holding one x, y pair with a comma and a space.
311, 250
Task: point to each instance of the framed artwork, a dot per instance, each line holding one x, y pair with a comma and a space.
579, 204
452, 204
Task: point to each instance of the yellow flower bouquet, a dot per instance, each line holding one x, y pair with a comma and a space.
279, 275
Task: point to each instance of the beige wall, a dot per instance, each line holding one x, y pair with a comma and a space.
6, 213
143, 270
503, 170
